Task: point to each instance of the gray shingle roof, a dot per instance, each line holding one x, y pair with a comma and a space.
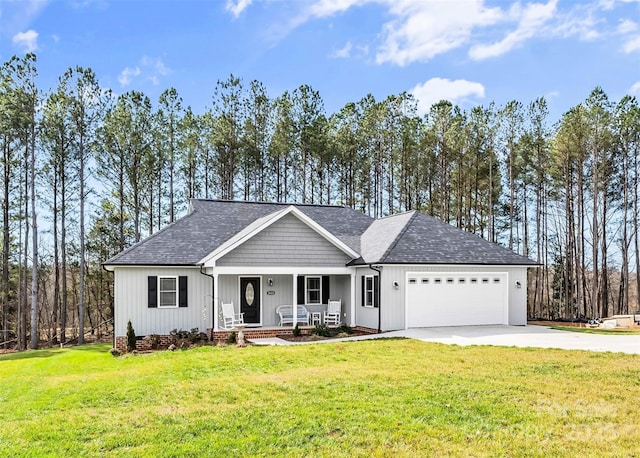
426, 240
212, 222
381, 235
408, 238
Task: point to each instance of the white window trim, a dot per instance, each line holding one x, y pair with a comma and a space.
177, 290
373, 292
306, 290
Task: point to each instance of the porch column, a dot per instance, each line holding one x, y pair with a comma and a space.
353, 300
215, 301
295, 300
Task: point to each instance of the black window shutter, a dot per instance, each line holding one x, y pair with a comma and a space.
363, 293
182, 292
152, 291
300, 289
376, 291
325, 289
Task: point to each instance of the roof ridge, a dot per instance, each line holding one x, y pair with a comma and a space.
400, 234
286, 204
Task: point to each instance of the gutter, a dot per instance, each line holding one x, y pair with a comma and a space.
213, 294
379, 270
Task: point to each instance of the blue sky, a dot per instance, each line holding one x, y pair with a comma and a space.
470, 52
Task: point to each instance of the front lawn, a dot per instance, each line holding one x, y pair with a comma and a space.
371, 398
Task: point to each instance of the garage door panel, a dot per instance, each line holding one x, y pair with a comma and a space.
456, 299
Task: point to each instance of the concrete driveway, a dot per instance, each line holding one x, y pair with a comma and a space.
523, 336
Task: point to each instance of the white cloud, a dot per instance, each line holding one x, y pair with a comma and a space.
422, 30
632, 45
635, 89
345, 52
149, 68
531, 19
16, 16
235, 7
156, 64
27, 40
627, 26
419, 30
436, 89
127, 74
325, 8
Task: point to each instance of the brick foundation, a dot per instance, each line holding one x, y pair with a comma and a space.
257, 333
144, 344
163, 341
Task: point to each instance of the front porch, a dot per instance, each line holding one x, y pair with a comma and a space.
258, 292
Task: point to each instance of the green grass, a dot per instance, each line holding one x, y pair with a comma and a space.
389, 397
619, 332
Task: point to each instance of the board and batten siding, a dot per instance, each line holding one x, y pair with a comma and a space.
287, 242
131, 302
392, 300
368, 316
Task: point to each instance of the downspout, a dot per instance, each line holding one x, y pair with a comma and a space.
113, 318
379, 294
213, 295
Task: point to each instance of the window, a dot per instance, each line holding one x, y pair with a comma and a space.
313, 290
369, 292
167, 291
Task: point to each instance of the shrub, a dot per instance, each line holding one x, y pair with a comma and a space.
182, 339
296, 331
131, 337
344, 329
321, 330
232, 339
153, 340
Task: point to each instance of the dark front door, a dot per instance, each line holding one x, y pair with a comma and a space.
250, 299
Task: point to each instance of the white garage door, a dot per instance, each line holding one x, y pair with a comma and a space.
456, 299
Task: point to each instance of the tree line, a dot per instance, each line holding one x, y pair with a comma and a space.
100, 172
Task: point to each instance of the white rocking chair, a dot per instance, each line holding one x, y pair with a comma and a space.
231, 319
334, 310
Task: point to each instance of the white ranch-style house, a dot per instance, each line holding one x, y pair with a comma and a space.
402, 271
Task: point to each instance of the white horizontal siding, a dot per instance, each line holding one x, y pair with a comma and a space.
131, 302
287, 242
